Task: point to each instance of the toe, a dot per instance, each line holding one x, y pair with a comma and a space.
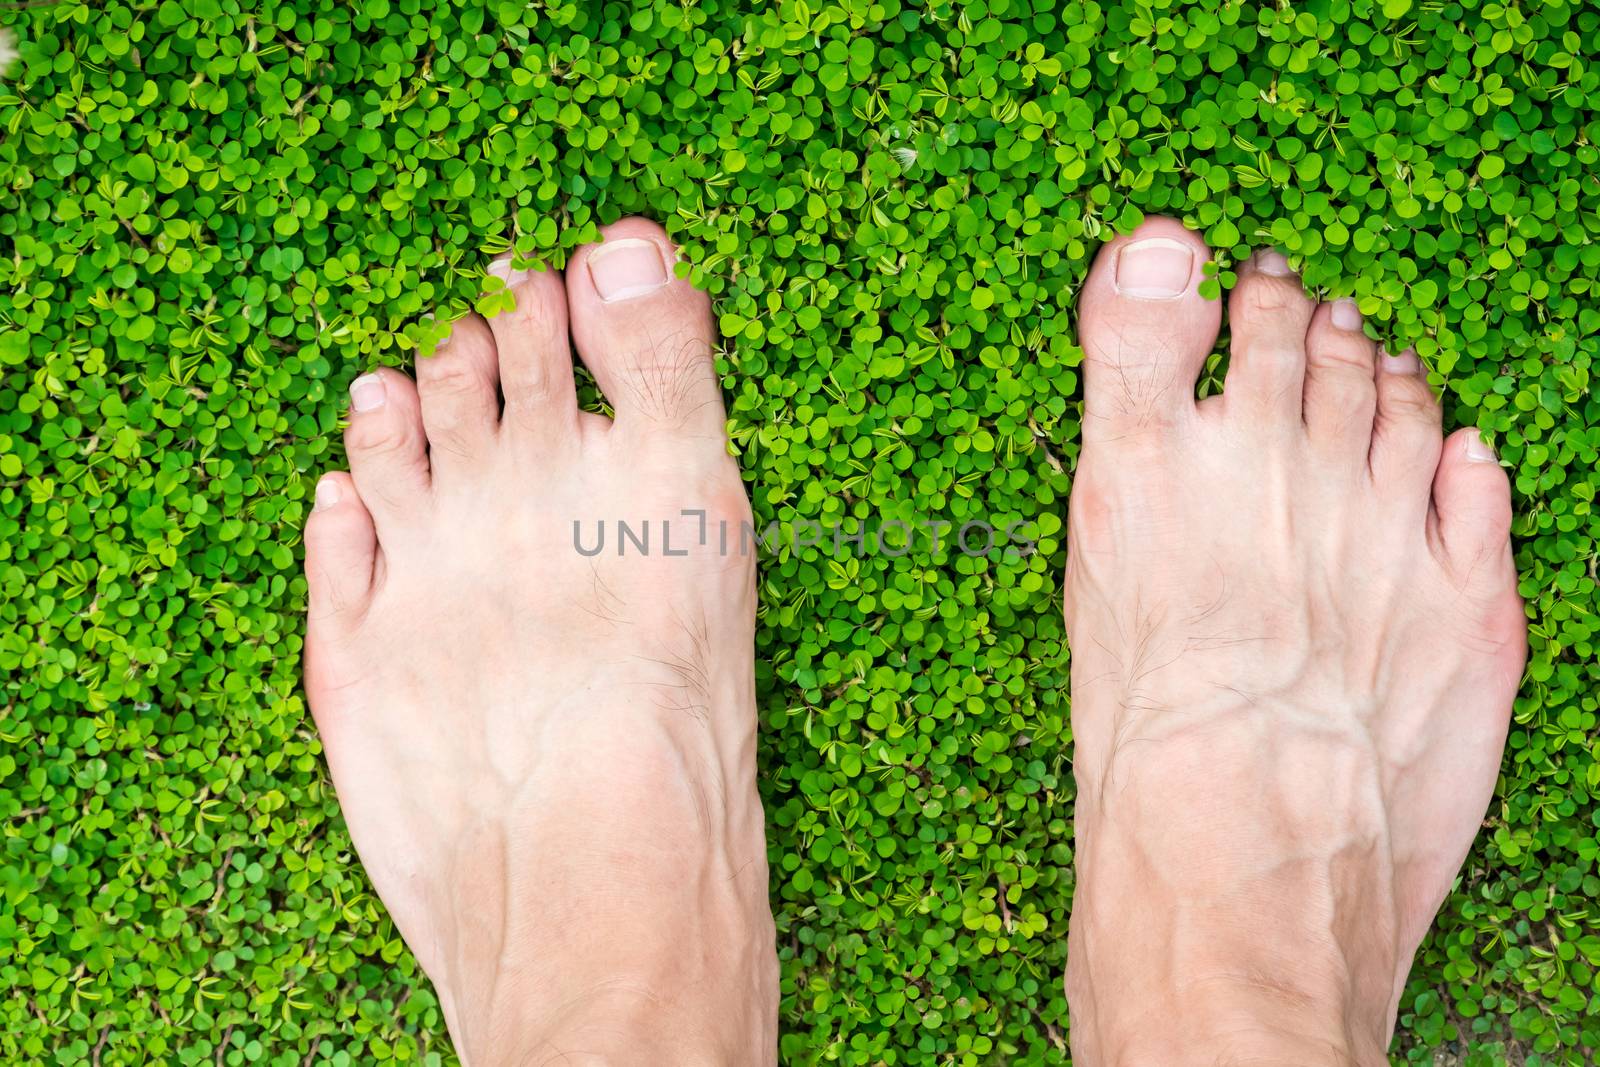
644, 333
1405, 433
1145, 330
341, 549
457, 388
535, 359
386, 444
1268, 314
1340, 393
1471, 506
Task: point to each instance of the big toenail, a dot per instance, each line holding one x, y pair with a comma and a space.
1345, 315
1156, 268
327, 495
367, 393
626, 267
1270, 261
1478, 450
1405, 363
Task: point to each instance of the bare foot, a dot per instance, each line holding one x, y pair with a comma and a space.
1296, 637
547, 759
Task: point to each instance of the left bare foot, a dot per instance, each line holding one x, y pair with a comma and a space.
547, 759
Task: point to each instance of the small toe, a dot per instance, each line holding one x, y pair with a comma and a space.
1268, 315
645, 333
341, 551
1341, 394
457, 387
534, 357
1405, 432
1145, 330
1471, 505
387, 445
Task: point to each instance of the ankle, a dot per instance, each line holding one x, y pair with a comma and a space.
619, 1022
1199, 935
1186, 990
1227, 1020
622, 984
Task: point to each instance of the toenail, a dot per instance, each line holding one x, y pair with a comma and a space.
501, 268
626, 267
327, 495
1345, 315
367, 393
1271, 261
1156, 268
1478, 450
430, 324
1405, 363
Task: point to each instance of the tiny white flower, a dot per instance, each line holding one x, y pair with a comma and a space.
8, 50
906, 156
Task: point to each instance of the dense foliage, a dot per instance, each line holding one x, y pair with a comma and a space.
217, 213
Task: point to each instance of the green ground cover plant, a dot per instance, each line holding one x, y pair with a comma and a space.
216, 213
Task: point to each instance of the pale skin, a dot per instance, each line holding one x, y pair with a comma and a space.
1295, 634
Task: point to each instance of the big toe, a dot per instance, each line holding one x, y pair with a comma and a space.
645, 333
1145, 329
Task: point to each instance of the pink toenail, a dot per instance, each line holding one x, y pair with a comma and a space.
328, 495
1345, 315
627, 267
1156, 268
1270, 261
1405, 363
1478, 450
367, 393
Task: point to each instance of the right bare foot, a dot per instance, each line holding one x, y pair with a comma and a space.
547, 760
1295, 638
